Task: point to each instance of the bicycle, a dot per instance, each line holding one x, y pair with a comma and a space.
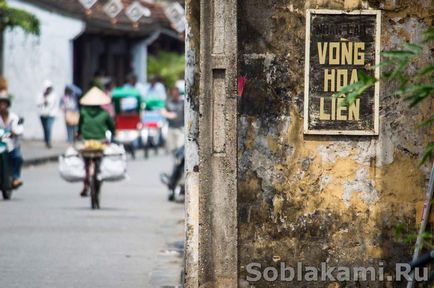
93, 160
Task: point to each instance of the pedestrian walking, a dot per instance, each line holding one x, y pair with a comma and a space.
48, 106
174, 112
70, 107
11, 122
94, 123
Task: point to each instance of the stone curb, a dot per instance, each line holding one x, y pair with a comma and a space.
40, 161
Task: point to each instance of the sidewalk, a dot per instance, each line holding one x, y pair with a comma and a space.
35, 152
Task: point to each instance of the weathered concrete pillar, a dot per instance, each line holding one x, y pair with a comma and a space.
212, 180
192, 44
217, 145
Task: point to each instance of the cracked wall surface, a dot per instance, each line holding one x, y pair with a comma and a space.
334, 199
191, 147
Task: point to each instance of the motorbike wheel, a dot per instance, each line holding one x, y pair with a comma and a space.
7, 194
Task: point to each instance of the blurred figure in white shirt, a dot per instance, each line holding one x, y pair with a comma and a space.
48, 107
155, 90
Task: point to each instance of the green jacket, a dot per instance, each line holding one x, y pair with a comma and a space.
94, 122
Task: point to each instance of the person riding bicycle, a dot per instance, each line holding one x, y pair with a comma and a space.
94, 123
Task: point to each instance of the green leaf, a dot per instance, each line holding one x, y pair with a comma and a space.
386, 75
401, 91
399, 230
427, 70
413, 48
13, 18
399, 67
419, 92
426, 122
366, 78
429, 34
410, 238
385, 63
354, 91
398, 54
426, 235
428, 154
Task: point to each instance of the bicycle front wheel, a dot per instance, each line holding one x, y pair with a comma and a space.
94, 193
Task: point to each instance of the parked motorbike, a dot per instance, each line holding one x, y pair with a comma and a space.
5, 170
176, 181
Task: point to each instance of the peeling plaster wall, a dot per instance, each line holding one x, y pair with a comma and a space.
322, 198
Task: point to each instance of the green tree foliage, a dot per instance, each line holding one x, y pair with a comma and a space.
12, 18
168, 65
415, 85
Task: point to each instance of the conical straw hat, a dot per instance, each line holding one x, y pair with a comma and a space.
95, 97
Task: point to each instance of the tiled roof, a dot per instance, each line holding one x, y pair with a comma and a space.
97, 20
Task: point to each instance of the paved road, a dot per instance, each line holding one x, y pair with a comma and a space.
49, 237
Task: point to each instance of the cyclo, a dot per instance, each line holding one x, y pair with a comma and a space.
128, 109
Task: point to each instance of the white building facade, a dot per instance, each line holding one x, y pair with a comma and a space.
30, 60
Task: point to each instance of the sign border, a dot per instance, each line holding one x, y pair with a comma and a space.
374, 132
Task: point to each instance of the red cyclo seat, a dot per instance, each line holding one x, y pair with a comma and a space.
127, 122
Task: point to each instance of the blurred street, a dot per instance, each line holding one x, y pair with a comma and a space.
51, 238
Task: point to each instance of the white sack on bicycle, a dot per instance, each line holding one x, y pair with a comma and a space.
71, 166
113, 166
